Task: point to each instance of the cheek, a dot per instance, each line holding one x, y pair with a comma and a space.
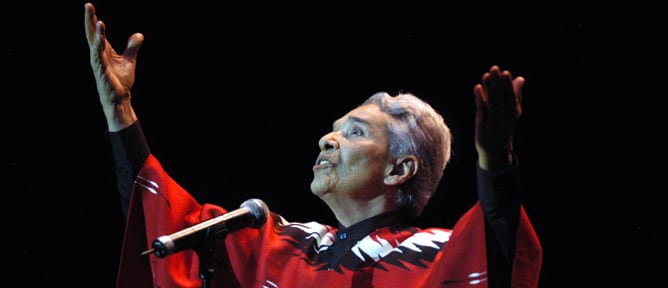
368, 162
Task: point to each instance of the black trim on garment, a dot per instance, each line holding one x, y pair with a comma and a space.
500, 199
129, 149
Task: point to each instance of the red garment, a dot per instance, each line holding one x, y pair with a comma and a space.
284, 254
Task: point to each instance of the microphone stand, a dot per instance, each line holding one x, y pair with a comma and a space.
206, 267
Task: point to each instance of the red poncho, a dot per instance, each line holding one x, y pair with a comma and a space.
285, 254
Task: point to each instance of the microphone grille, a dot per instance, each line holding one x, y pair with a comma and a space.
258, 209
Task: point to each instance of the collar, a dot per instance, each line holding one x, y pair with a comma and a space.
346, 237
363, 228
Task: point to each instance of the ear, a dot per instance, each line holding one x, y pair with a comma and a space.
402, 169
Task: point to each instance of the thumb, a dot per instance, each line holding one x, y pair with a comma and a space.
134, 43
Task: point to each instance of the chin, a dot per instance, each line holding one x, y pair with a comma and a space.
317, 189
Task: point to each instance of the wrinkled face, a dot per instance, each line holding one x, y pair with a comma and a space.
354, 157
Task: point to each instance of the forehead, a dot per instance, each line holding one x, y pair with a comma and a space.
368, 115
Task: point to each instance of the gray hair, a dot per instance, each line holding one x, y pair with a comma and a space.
416, 128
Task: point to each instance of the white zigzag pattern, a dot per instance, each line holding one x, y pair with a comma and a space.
317, 231
378, 248
375, 247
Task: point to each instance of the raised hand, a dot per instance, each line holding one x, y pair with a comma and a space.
114, 73
499, 105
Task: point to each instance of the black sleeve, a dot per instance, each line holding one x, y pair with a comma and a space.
499, 195
130, 150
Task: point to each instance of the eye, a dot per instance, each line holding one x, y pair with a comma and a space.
355, 131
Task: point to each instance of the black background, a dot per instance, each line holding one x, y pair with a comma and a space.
233, 98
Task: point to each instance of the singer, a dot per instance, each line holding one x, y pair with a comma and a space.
376, 170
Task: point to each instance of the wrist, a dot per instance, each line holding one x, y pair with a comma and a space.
120, 117
494, 160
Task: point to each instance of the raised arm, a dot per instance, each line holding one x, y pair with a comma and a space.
114, 73
114, 77
498, 109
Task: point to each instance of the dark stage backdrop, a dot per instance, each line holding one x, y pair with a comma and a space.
234, 97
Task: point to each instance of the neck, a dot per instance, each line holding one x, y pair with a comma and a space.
350, 211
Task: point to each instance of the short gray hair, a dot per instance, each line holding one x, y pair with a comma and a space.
416, 128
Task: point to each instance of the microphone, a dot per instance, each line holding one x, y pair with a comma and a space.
252, 213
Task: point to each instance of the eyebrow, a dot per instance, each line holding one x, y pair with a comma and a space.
351, 119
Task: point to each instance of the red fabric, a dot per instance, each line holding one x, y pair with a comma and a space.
528, 255
281, 254
167, 208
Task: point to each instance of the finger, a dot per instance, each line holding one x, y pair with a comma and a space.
95, 48
506, 76
479, 95
134, 43
494, 71
490, 77
506, 88
518, 83
506, 81
90, 20
99, 34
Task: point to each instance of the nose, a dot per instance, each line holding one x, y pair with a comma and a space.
328, 142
